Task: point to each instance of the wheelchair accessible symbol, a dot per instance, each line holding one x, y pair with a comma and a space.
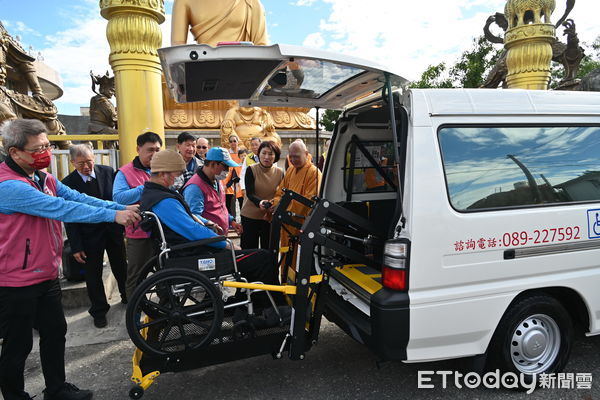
593, 223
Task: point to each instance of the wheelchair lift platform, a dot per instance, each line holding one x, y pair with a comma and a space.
181, 318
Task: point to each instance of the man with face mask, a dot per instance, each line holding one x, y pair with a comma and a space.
205, 193
159, 197
32, 205
180, 225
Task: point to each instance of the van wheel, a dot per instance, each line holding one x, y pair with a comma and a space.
533, 337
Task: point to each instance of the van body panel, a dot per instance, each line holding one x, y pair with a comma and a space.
460, 280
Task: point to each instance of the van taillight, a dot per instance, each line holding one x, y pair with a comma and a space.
396, 264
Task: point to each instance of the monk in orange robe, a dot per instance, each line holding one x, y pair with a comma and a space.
303, 178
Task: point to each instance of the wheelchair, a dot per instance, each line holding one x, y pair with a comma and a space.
192, 308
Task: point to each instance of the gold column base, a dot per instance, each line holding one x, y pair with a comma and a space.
529, 54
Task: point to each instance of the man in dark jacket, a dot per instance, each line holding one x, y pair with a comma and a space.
89, 241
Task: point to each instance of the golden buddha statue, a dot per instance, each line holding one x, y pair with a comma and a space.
211, 22
246, 123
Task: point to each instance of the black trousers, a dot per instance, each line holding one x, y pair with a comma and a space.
255, 231
22, 308
258, 265
230, 204
115, 248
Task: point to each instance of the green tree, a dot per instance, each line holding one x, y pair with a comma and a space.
328, 118
473, 65
591, 61
468, 71
435, 76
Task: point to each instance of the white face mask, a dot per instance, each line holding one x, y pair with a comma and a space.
221, 176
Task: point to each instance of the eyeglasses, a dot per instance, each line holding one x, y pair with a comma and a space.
41, 149
225, 166
202, 147
233, 141
82, 163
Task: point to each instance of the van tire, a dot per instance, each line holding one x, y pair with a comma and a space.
529, 323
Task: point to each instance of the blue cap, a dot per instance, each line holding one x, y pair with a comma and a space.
220, 154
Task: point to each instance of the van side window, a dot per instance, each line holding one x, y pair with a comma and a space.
360, 171
491, 167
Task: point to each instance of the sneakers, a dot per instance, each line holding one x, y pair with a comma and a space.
100, 322
69, 392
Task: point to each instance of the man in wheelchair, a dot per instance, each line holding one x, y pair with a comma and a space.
181, 226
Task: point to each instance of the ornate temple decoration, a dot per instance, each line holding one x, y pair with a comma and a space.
528, 42
18, 77
527, 35
103, 115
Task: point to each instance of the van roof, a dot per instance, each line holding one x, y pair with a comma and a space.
504, 101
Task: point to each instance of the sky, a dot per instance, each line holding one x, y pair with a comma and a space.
407, 36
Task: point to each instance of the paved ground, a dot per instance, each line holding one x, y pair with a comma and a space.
338, 368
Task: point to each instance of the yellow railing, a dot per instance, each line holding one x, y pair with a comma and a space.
97, 139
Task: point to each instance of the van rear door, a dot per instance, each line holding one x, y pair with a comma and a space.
277, 75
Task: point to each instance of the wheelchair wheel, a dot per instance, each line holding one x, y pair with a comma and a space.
173, 311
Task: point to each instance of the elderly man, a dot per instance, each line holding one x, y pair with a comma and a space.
186, 146
89, 241
127, 189
202, 147
301, 177
180, 225
31, 207
205, 193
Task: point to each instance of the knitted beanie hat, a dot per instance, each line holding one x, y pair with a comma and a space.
167, 161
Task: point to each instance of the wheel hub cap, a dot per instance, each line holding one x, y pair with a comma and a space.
535, 344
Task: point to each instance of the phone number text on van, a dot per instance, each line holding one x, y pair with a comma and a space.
520, 238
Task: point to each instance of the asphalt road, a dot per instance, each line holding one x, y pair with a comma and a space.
337, 368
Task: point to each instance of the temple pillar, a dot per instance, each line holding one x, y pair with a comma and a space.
529, 55
528, 42
134, 35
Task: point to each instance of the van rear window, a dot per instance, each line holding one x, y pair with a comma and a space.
499, 167
370, 166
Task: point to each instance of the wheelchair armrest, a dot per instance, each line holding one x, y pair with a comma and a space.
196, 243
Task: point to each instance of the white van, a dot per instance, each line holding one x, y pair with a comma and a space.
480, 208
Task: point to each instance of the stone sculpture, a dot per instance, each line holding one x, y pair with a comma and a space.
103, 115
16, 102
